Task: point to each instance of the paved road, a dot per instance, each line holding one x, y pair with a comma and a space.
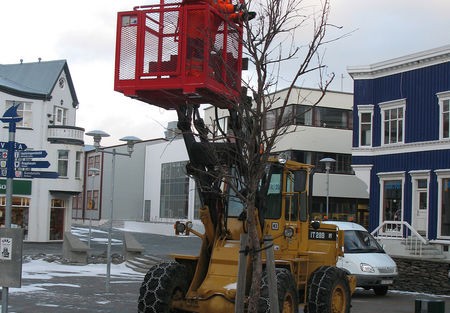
88, 294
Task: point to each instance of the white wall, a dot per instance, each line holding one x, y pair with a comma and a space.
155, 156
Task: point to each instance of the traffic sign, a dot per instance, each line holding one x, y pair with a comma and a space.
32, 154
38, 174
33, 164
17, 145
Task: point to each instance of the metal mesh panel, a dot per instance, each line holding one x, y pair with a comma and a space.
217, 38
161, 46
232, 69
127, 62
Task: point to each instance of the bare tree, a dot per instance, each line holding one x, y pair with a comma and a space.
271, 44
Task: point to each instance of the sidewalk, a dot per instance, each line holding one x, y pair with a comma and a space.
50, 287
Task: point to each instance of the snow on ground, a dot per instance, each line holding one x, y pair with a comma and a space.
40, 270
83, 234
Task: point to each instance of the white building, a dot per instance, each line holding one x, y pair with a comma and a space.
127, 199
316, 132
47, 102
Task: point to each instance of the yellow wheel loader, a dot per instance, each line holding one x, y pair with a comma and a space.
305, 251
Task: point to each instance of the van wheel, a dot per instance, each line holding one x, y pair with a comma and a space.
163, 284
328, 291
380, 290
287, 292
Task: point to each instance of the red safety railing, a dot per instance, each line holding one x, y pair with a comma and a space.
171, 54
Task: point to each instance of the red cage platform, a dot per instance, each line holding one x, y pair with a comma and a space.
170, 54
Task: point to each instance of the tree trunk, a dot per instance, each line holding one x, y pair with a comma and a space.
255, 245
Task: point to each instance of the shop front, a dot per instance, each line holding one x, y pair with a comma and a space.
20, 204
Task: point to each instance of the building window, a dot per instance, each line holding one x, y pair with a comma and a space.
393, 126
24, 111
391, 196
444, 119
303, 115
331, 118
443, 177
309, 116
59, 116
365, 113
92, 200
220, 127
77, 206
57, 219
94, 162
78, 164
63, 162
174, 190
19, 213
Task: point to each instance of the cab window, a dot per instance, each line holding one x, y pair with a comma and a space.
272, 208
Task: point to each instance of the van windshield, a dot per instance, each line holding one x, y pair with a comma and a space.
357, 241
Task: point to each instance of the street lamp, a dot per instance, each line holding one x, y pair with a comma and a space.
328, 162
91, 205
130, 140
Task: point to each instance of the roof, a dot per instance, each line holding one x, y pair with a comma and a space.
345, 225
405, 63
35, 80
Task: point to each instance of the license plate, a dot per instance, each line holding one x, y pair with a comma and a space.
387, 282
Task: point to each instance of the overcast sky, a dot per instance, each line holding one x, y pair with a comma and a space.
83, 33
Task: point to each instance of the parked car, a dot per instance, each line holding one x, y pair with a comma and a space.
366, 259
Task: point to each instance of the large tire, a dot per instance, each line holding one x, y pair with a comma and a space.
287, 292
380, 290
328, 291
163, 283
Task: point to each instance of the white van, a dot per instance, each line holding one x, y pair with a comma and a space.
366, 259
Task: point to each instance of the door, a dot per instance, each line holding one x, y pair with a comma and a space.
420, 206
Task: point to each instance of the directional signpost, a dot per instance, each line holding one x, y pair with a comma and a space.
32, 154
15, 162
34, 164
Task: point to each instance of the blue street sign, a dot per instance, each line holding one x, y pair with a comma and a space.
33, 164
17, 145
37, 174
32, 154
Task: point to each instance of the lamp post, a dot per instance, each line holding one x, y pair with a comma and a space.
328, 162
130, 140
91, 205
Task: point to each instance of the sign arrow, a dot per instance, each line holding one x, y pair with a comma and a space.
32, 154
17, 145
33, 164
38, 174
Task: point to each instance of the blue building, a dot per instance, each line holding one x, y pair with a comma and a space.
401, 143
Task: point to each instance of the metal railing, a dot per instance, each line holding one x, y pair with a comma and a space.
401, 230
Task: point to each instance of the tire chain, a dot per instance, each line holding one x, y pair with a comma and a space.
154, 287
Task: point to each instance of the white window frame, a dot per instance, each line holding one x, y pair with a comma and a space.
78, 157
63, 160
388, 176
365, 109
25, 110
440, 174
443, 96
60, 119
390, 105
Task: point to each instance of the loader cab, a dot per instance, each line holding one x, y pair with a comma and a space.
285, 194
282, 199
284, 205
